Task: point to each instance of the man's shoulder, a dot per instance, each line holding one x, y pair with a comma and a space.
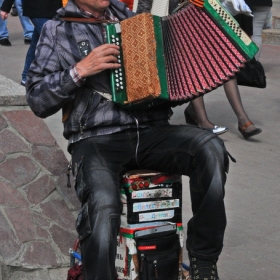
55, 21
51, 26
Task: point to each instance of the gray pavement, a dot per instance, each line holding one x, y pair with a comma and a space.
252, 240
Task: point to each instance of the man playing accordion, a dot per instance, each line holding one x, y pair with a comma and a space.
71, 72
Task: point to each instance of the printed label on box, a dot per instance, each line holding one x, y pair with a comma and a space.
153, 216
155, 205
151, 193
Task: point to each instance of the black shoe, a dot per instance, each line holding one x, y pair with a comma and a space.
203, 269
5, 42
27, 41
14, 12
248, 134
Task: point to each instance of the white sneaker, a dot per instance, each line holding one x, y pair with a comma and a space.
219, 129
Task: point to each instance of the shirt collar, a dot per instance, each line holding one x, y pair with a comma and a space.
107, 15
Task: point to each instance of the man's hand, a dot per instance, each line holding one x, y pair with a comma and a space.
101, 58
237, 7
4, 15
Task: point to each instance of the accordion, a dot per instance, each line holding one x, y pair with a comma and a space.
178, 57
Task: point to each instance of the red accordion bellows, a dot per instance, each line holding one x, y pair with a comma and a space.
199, 56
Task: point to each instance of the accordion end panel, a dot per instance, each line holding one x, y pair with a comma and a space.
229, 25
139, 55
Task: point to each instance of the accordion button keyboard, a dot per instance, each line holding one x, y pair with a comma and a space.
117, 77
118, 72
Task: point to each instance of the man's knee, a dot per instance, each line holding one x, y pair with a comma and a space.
214, 152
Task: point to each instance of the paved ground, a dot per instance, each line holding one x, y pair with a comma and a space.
252, 242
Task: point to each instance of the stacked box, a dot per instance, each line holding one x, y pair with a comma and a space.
151, 200
150, 197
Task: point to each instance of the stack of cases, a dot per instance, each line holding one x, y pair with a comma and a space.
151, 200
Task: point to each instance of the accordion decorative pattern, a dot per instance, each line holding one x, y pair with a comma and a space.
139, 54
181, 56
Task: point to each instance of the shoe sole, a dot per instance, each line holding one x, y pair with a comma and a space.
248, 135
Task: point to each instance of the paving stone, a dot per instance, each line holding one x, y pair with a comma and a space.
42, 233
271, 37
276, 22
39, 254
11, 197
19, 170
21, 219
12, 143
4, 272
2, 156
65, 243
39, 220
31, 127
3, 123
10, 246
58, 274
38, 190
58, 211
40, 274
52, 158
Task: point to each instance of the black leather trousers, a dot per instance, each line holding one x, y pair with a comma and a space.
99, 162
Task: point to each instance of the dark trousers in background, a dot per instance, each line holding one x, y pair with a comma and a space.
30, 55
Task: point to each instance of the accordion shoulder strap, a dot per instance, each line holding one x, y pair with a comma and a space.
87, 20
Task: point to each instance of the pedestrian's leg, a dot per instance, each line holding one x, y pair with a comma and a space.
234, 98
260, 16
4, 33
30, 55
195, 113
27, 26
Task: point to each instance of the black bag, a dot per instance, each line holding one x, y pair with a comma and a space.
158, 255
252, 75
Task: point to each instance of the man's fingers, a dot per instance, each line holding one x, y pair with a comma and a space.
110, 50
101, 58
113, 65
